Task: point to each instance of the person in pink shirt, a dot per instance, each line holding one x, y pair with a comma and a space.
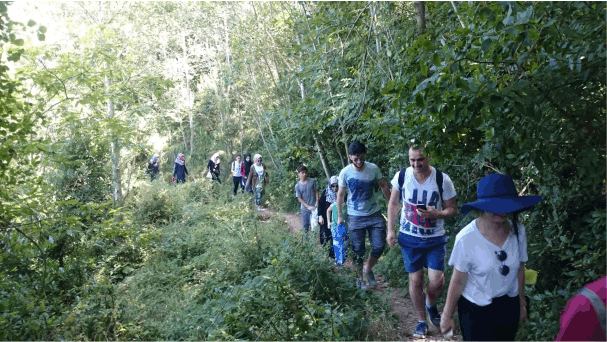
584, 315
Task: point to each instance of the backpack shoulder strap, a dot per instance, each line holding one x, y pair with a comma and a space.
598, 305
439, 182
401, 180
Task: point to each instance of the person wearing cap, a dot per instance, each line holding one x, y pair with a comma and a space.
258, 179
364, 216
327, 198
422, 238
488, 259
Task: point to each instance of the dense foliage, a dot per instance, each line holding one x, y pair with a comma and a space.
91, 251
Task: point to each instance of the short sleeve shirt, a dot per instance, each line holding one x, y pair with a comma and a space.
307, 192
474, 254
360, 185
334, 215
413, 194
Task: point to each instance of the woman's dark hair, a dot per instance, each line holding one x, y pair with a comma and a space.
356, 147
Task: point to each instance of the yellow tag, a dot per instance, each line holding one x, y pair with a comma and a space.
530, 277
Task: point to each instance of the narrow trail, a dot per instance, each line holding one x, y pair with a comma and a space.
401, 307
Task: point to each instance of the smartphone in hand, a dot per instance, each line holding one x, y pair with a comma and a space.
422, 206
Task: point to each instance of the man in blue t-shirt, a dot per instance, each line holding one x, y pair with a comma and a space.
364, 216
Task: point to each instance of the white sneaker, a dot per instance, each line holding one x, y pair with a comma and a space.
258, 208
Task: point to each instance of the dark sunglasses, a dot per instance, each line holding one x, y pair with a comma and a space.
502, 256
335, 186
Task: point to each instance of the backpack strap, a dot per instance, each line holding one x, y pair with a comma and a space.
598, 305
439, 182
401, 181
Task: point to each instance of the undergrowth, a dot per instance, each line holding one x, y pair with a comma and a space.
220, 272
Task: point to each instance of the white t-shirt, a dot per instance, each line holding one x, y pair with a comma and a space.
427, 193
360, 185
475, 255
259, 170
236, 169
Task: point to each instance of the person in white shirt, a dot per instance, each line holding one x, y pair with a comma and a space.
428, 197
488, 265
236, 173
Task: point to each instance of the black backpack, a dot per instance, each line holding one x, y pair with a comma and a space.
439, 182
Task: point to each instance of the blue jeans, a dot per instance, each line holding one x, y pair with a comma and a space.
305, 219
258, 196
359, 226
423, 252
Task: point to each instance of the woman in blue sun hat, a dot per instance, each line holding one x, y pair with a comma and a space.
488, 265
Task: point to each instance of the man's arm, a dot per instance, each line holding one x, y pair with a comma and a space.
340, 202
317, 198
310, 208
449, 209
384, 188
392, 212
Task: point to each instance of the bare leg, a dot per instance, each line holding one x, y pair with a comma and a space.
416, 289
435, 285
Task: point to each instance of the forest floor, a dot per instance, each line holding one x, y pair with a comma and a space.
401, 307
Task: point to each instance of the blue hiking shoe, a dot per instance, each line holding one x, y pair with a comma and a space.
433, 315
370, 278
361, 284
421, 330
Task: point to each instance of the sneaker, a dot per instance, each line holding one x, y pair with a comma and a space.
421, 330
258, 208
361, 284
370, 278
433, 315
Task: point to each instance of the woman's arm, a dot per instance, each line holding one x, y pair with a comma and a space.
329, 213
521, 294
456, 287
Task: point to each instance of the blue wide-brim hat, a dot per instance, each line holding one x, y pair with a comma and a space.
497, 194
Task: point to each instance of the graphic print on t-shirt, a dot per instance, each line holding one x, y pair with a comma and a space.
361, 192
411, 210
414, 194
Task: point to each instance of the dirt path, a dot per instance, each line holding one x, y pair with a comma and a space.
402, 307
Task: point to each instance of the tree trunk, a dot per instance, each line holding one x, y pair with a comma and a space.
266, 144
188, 95
322, 159
115, 144
420, 7
341, 157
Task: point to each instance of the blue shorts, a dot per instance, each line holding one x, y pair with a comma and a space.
359, 226
423, 252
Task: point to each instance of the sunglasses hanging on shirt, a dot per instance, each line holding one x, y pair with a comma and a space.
502, 256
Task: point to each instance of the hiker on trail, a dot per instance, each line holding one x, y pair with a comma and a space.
179, 169
364, 215
246, 168
428, 197
236, 169
214, 168
258, 179
306, 192
153, 167
339, 233
488, 259
584, 315
327, 198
